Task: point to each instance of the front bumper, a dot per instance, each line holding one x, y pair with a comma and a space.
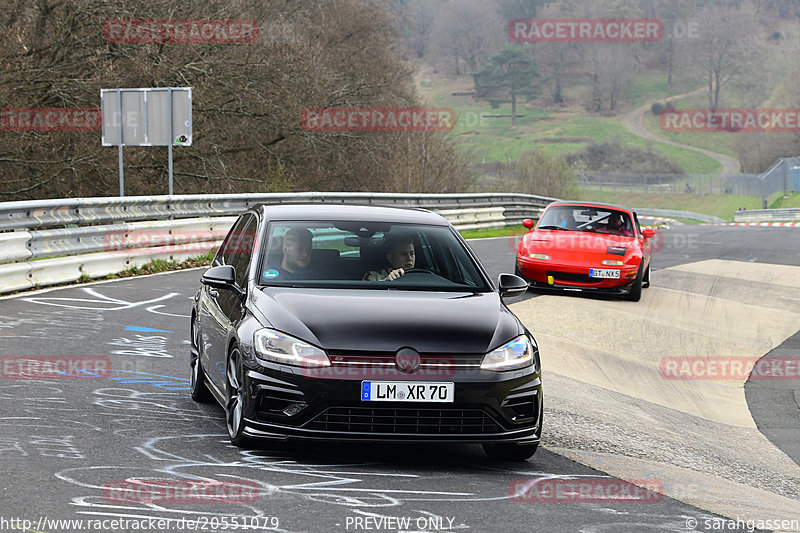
488, 407
575, 277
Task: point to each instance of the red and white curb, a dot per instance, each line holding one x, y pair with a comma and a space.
659, 221
774, 224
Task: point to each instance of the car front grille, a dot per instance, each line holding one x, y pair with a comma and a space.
405, 420
572, 276
372, 359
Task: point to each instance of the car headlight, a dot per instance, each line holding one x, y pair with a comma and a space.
543, 257
516, 353
277, 347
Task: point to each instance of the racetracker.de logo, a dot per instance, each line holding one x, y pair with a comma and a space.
50, 119
734, 120
730, 368
585, 490
177, 241
377, 119
170, 491
586, 30
181, 31
54, 366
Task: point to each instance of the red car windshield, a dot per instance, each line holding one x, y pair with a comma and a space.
588, 219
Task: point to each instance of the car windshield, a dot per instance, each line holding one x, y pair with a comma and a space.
587, 219
356, 254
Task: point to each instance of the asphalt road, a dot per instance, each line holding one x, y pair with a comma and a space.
66, 442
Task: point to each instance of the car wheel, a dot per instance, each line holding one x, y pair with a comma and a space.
234, 399
199, 388
646, 278
509, 451
636, 289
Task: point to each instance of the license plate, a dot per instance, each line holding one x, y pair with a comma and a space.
401, 391
603, 273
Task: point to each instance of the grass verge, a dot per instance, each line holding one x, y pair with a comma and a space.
790, 200
159, 265
517, 229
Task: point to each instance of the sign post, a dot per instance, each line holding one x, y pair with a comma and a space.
158, 116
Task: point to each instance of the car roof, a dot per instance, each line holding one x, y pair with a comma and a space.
362, 213
591, 204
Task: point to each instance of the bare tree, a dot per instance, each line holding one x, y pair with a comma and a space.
417, 24
555, 58
536, 172
247, 98
718, 53
611, 68
757, 151
467, 33
678, 17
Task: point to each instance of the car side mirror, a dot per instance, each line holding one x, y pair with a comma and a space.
220, 277
511, 285
649, 233
528, 223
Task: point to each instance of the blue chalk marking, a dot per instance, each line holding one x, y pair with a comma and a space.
146, 330
159, 381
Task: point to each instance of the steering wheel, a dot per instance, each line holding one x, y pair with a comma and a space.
416, 271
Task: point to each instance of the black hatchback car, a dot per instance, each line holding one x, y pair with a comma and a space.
363, 323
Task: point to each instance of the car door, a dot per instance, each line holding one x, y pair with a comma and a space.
218, 307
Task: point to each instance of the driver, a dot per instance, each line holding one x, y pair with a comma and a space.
297, 245
617, 225
401, 257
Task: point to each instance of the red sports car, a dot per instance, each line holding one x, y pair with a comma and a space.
580, 246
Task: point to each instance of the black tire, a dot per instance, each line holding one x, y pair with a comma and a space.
646, 278
636, 289
198, 385
234, 400
509, 451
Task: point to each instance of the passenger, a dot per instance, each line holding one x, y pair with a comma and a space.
564, 219
401, 257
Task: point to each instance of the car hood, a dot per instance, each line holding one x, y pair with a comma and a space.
547, 241
384, 321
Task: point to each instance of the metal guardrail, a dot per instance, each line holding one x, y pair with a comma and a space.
671, 213
94, 237
766, 215
83, 211
48, 242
